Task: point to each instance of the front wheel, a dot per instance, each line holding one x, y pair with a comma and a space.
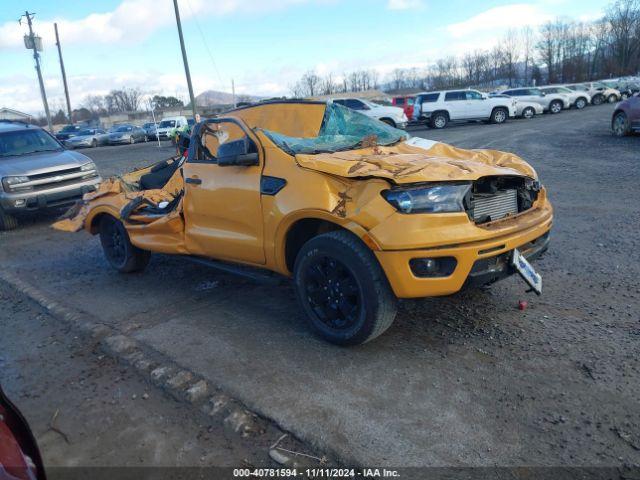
555, 107
132, 140
597, 100
94, 143
620, 125
612, 98
118, 249
7, 222
343, 290
499, 115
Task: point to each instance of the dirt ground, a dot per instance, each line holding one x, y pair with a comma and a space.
467, 380
87, 409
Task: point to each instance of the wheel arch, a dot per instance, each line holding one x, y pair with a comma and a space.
298, 229
95, 216
388, 120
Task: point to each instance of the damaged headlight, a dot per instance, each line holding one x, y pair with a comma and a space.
440, 198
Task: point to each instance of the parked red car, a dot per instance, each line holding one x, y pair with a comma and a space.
406, 103
626, 117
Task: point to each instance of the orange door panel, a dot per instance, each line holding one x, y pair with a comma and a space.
222, 206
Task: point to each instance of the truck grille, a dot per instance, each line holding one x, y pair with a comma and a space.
488, 207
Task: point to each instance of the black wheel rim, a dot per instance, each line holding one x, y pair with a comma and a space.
115, 243
333, 293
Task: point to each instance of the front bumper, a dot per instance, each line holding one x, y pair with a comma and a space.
84, 143
405, 284
50, 198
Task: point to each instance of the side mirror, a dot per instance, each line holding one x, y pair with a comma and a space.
238, 153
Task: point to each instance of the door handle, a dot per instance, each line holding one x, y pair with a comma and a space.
195, 181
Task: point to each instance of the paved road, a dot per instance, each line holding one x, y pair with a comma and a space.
463, 380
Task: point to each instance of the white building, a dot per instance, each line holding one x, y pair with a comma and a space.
10, 114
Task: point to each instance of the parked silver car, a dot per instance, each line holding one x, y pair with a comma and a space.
37, 172
578, 98
89, 137
552, 103
126, 134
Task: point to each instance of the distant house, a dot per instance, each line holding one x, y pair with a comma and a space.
10, 114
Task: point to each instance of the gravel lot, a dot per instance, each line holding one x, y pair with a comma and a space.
467, 380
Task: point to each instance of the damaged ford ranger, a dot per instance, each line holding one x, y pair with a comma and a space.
358, 213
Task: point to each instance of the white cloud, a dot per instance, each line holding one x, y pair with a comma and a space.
404, 4
134, 20
499, 20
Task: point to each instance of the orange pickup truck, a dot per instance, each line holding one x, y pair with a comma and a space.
355, 211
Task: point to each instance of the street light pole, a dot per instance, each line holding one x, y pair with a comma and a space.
64, 75
36, 57
184, 59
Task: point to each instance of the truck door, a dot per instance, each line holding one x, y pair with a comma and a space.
222, 204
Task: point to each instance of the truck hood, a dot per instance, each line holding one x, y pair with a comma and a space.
418, 160
43, 162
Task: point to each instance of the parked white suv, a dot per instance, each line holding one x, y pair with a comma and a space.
393, 116
578, 98
552, 103
167, 124
599, 92
439, 108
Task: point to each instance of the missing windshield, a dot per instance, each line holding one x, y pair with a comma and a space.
341, 129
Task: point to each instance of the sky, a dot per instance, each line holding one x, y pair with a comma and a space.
263, 45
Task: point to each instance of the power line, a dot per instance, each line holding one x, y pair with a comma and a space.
206, 44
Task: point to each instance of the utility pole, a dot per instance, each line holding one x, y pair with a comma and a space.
32, 43
64, 75
233, 92
184, 59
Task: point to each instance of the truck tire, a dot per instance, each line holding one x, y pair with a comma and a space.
555, 107
343, 290
118, 249
620, 125
439, 120
499, 115
7, 222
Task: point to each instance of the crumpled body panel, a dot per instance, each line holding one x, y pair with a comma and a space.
409, 162
142, 211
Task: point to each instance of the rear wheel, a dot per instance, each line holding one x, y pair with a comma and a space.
528, 113
620, 125
499, 115
555, 106
597, 100
7, 222
389, 122
343, 290
118, 249
612, 98
94, 143
581, 103
439, 120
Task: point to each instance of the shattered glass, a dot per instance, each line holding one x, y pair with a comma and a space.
342, 129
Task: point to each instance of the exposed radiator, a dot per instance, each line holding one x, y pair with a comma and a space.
488, 207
